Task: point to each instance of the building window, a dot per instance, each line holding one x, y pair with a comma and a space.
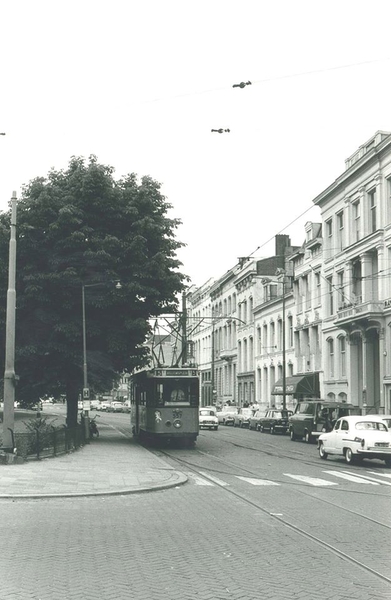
259, 340
357, 221
318, 284
331, 295
329, 228
272, 336
341, 294
340, 224
372, 208
331, 358
290, 332
342, 351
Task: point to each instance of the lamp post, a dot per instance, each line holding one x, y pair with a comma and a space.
86, 389
9, 372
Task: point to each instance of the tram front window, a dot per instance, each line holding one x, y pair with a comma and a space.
176, 393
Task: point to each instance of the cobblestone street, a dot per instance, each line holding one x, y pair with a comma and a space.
182, 543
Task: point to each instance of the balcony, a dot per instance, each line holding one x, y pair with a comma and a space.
228, 354
359, 310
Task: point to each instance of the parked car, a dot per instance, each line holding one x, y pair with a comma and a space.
311, 417
387, 420
356, 438
116, 407
208, 419
275, 421
242, 417
104, 406
94, 404
254, 419
226, 413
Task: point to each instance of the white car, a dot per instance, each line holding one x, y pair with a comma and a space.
208, 419
357, 437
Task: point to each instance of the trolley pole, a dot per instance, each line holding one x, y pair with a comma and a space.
184, 329
9, 373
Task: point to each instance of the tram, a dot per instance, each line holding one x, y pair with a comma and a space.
165, 404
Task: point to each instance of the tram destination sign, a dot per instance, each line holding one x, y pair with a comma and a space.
176, 373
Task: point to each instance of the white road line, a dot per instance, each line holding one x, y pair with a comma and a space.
199, 480
254, 481
353, 478
372, 479
380, 474
214, 479
311, 480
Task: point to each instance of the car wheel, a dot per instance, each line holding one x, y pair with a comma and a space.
215, 428
388, 461
292, 435
308, 437
322, 452
349, 456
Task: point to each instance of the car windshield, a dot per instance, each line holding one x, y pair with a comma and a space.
371, 425
207, 413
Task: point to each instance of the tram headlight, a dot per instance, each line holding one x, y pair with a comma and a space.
177, 424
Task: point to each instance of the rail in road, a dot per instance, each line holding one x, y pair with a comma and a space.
216, 471
205, 468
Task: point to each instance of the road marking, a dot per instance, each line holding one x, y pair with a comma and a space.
254, 481
353, 478
380, 474
214, 479
199, 480
311, 480
373, 479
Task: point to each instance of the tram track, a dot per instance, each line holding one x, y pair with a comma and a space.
279, 518
283, 521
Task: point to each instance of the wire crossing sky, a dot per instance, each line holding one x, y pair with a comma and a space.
141, 84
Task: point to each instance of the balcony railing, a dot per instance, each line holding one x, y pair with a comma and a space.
358, 307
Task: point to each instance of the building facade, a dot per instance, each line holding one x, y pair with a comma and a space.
356, 289
315, 317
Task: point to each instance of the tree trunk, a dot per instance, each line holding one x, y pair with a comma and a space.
72, 400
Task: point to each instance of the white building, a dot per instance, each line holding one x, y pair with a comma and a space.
356, 287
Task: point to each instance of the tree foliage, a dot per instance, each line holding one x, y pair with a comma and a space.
78, 227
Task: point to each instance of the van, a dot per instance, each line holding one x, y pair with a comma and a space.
312, 417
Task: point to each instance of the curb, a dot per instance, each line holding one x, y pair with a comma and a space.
180, 479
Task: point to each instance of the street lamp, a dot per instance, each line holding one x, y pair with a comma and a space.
86, 389
9, 372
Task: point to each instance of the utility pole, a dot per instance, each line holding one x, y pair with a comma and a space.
184, 329
9, 373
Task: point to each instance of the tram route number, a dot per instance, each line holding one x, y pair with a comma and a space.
176, 414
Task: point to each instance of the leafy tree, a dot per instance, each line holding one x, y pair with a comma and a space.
78, 227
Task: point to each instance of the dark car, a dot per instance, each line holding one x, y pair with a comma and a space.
313, 417
275, 421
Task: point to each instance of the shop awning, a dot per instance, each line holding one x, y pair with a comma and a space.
297, 384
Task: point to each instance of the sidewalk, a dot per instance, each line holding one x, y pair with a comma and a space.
113, 464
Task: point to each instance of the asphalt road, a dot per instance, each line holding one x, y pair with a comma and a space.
261, 517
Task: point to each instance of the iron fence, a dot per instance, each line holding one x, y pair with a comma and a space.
51, 441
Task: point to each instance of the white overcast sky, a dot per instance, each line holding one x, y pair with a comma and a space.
140, 83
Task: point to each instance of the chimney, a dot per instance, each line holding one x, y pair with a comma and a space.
283, 241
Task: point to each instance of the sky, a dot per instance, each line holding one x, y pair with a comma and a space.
141, 83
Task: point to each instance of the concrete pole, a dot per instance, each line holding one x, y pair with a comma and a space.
9, 373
